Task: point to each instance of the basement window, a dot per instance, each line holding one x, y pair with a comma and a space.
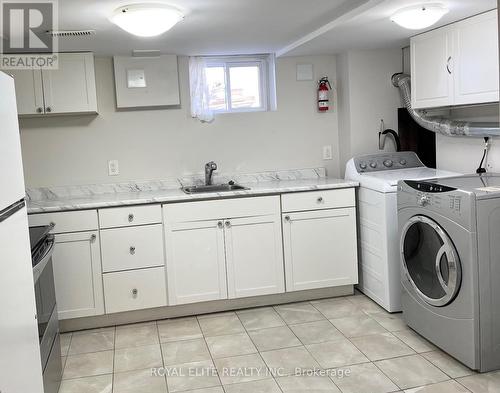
240, 83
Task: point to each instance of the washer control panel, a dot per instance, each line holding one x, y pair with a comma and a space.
387, 162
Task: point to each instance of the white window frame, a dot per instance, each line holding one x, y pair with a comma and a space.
267, 87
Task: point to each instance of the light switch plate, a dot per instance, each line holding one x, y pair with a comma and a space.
113, 168
327, 152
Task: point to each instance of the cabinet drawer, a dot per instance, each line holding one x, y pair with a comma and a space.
134, 290
132, 248
129, 216
65, 222
317, 200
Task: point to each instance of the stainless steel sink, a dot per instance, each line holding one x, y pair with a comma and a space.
213, 188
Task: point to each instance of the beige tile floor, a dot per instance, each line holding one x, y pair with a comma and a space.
362, 348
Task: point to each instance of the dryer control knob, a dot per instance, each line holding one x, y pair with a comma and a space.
388, 163
424, 201
403, 162
373, 165
363, 165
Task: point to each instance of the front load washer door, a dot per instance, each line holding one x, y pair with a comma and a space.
430, 261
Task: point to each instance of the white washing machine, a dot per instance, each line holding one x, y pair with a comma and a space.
378, 176
450, 253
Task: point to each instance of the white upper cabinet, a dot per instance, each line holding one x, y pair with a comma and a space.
456, 64
71, 88
29, 91
432, 80
476, 59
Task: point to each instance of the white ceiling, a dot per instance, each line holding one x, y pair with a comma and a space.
373, 29
289, 27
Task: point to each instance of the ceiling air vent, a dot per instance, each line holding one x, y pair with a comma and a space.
71, 33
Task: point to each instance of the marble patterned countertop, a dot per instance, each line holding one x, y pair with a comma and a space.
56, 199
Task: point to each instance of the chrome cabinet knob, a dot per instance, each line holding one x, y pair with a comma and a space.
130, 217
93, 238
132, 250
39, 110
135, 292
320, 200
220, 225
287, 218
48, 109
228, 224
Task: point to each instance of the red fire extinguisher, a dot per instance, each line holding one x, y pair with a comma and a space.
324, 88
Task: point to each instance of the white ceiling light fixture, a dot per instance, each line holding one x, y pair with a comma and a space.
146, 20
419, 17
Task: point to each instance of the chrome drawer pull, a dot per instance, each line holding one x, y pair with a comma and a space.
135, 292
130, 217
132, 250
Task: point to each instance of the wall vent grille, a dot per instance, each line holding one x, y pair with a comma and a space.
71, 33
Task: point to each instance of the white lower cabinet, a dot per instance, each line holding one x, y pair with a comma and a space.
254, 256
213, 258
135, 290
77, 275
320, 249
196, 267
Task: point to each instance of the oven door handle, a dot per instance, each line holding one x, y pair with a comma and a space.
40, 266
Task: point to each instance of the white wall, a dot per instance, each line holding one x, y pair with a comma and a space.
366, 96
464, 154
158, 144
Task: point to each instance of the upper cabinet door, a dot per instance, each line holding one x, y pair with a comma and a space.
254, 255
476, 59
432, 69
71, 88
29, 92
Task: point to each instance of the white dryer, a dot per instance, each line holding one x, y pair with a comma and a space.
379, 259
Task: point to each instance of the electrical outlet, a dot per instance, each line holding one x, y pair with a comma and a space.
113, 168
327, 152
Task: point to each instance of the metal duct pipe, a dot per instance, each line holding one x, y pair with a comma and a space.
440, 125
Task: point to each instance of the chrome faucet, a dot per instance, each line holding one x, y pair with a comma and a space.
210, 167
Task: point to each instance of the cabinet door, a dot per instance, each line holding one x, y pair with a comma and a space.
254, 256
196, 269
432, 69
77, 274
29, 93
476, 59
71, 88
320, 249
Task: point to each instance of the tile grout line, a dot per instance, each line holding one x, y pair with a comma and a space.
257, 349
161, 353
210, 353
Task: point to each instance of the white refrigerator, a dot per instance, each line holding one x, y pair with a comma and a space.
20, 363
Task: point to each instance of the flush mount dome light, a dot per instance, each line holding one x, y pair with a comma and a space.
419, 17
146, 20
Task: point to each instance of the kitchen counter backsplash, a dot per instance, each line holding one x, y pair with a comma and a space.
69, 192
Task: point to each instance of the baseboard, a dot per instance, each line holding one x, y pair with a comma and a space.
70, 325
